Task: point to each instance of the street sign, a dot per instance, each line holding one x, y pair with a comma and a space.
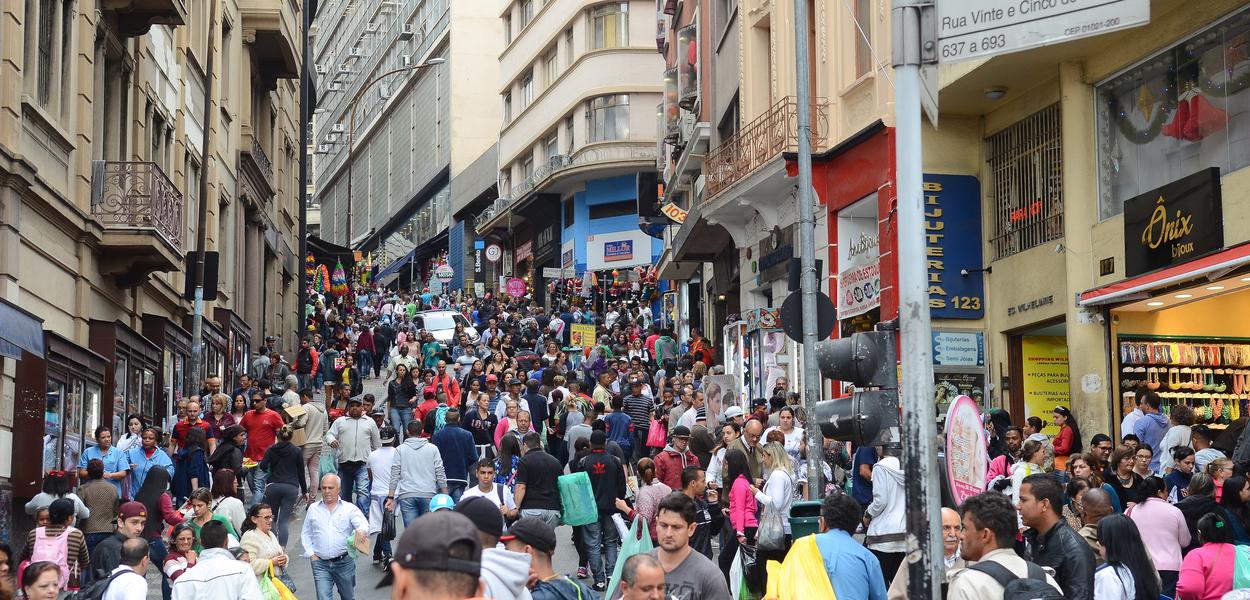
792, 316
966, 458
494, 253
444, 272
554, 273
975, 28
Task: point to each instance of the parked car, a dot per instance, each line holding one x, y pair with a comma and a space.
442, 323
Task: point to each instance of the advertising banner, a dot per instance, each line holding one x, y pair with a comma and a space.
1174, 223
582, 335
952, 222
859, 290
1045, 369
720, 392
966, 459
516, 287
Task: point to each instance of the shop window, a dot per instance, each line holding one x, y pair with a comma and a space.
569, 213
1026, 183
613, 209
1175, 113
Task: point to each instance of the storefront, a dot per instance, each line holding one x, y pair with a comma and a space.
238, 356
130, 385
213, 353
546, 260
175, 345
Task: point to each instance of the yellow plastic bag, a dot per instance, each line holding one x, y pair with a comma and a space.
802, 576
284, 593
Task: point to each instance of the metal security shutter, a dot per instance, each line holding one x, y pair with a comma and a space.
455, 254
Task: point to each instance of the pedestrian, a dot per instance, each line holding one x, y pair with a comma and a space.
1143, 458
113, 461
778, 494
217, 575
507, 460
743, 509
202, 513
1152, 426
42, 580
989, 537
1128, 573
327, 526
1095, 506
286, 482
62, 542
417, 474
459, 453
1125, 482
229, 453
262, 425
105, 555
440, 557
607, 480
226, 500
1182, 471
263, 547
1207, 571
675, 457
313, 423
1050, 541
178, 437
191, 469
1068, 441
380, 477
532, 536
1162, 527
1032, 460
1181, 419
101, 499
951, 560
649, 494
1085, 466
399, 394
158, 506
55, 487
128, 581
182, 554
354, 436
218, 416
886, 535
504, 572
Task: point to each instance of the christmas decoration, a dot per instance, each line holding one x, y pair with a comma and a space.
1145, 102
321, 280
338, 281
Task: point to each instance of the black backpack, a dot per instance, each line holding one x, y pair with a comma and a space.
96, 589
1033, 587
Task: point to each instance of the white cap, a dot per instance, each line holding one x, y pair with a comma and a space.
733, 411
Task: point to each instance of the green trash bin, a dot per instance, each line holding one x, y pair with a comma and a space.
805, 518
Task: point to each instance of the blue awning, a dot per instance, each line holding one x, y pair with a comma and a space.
396, 265
19, 330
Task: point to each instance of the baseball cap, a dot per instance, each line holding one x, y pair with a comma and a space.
532, 531
356, 400
427, 543
492, 377
132, 509
483, 514
681, 431
441, 502
733, 412
515, 382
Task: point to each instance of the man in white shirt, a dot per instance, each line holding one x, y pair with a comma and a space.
486, 487
128, 580
380, 473
324, 535
217, 575
1130, 420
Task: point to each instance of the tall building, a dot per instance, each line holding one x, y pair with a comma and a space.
578, 92
401, 110
102, 126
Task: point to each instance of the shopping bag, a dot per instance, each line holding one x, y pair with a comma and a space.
636, 541
801, 576
739, 571
577, 499
1241, 568
656, 434
267, 588
279, 588
771, 535
327, 464
388, 525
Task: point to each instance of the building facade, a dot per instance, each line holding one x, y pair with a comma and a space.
102, 162
577, 88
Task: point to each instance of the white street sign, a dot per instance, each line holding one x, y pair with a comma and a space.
554, 273
973, 28
493, 253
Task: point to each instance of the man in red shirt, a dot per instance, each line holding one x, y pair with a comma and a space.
182, 427
445, 383
261, 425
428, 405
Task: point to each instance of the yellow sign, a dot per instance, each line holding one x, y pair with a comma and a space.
1045, 369
674, 212
582, 335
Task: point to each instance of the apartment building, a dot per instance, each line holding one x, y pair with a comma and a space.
393, 124
578, 90
102, 125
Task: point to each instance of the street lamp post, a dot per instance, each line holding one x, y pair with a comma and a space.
351, 129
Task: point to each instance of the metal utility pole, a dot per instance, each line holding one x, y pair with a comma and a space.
807, 245
197, 318
910, 18
305, 116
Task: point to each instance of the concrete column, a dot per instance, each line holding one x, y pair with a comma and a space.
253, 283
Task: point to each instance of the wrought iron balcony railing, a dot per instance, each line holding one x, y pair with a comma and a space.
262, 160
762, 140
139, 195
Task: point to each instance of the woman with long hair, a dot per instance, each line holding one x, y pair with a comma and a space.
202, 512
1124, 481
56, 485
743, 507
1199, 500
650, 493
1182, 471
1032, 459
1143, 455
287, 480
191, 471
399, 398
477, 373
1207, 571
154, 496
238, 408
1163, 528
506, 462
1236, 506
132, 437
229, 451
262, 545
1128, 573
1178, 435
1083, 466
778, 493
1068, 440
226, 499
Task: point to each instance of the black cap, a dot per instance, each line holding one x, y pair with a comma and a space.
681, 431
484, 515
356, 400
597, 438
427, 541
514, 382
532, 531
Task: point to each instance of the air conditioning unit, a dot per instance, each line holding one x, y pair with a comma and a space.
357, 52
332, 138
344, 69
323, 149
384, 93
407, 31
688, 122
334, 87
372, 27
338, 128
406, 60
320, 69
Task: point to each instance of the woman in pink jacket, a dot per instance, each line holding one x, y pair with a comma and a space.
1163, 530
742, 508
1207, 571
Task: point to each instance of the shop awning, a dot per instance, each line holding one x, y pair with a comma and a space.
19, 330
1121, 291
396, 265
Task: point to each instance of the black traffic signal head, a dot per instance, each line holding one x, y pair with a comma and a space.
863, 418
865, 359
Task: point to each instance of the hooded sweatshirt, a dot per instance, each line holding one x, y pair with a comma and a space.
669, 464
562, 587
284, 462
417, 470
887, 530
505, 573
1150, 430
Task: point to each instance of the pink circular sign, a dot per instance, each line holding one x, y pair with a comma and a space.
966, 455
516, 287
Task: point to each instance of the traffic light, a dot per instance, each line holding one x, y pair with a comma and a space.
866, 360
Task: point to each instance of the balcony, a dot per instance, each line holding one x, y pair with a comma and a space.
136, 17
271, 28
255, 175
140, 211
760, 143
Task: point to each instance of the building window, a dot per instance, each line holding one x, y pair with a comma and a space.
551, 146
527, 167
724, 13
507, 108
1174, 114
527, 89
614, 209
609, 25
527, 12
568, 47
568, 134
608, 118
507, 30
550, 70
569, 212
862, 35
1026, 177
48, 51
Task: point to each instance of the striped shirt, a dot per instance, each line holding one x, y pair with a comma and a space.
75, 556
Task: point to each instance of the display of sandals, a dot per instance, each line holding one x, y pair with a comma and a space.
1210, 376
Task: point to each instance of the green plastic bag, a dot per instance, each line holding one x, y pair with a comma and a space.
1241, 568
327, 463
267, 589
577, 499
637, 542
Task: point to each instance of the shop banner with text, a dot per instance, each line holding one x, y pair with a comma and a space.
966, 459
1045, 369
582, 335
952, 223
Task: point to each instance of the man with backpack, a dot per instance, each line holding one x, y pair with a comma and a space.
455, 445
129, 580
989, 536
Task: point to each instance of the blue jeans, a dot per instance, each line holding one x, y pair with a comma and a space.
158, 552
338, 572
602, 536
455, 489
364, 360
258, 478
400, 418
95, 538
355, 480
411, 508
281, 498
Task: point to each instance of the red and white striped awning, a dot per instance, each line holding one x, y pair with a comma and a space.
1121, 291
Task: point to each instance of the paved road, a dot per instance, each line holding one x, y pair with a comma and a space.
367, 574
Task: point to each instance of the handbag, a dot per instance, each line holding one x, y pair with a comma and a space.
280, 588
656, 434
388, 525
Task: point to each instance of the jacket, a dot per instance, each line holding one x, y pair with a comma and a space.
353, 377
306, 361
968, 584
417, 470
1063, 550
455, 445
670, 462
887, 530
356, 438
607, 480
314, 422
753, 462
218, 576
227, 456
561, 587
1150, 430
505, 573
284, 462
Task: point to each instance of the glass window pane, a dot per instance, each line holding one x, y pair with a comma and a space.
54, 409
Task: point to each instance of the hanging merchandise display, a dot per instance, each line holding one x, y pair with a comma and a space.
338, 280
310, 267
1208, 375
321, 280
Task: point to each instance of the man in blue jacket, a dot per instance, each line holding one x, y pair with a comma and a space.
1151, 426
455, 444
